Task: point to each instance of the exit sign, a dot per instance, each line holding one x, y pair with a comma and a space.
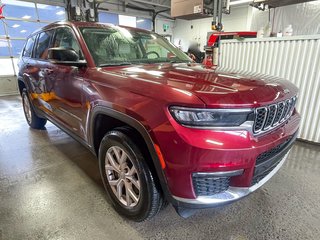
165, 27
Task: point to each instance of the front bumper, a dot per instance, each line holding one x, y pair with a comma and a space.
232, 194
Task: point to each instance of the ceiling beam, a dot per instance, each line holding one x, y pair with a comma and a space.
153, 3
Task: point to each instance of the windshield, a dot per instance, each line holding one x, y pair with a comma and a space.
112, 45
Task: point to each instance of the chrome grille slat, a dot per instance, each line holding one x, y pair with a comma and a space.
269, 117
260, 119
285, 111
278, 114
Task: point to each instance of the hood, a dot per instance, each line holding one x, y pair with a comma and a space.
215, 88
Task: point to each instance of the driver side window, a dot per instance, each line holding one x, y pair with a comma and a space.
65, 38
154, 49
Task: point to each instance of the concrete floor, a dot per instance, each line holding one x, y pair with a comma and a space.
50, 188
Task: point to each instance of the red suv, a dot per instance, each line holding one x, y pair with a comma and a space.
163, 128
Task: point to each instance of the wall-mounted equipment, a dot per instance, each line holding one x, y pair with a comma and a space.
261, 4
195, 9
213, 41
82, 10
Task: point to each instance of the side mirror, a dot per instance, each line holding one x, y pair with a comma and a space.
65, 56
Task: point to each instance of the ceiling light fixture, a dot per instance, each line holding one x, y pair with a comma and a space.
238, 2
60, 12
26, 17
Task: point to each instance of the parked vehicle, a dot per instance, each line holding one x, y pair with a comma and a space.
164, 129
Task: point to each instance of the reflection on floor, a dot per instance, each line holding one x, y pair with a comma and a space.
50, 189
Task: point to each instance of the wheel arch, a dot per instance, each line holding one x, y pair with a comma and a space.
21, 85
101, 115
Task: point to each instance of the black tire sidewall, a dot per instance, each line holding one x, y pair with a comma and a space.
140, 211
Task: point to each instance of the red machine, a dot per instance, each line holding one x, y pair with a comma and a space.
1, 10
212, 48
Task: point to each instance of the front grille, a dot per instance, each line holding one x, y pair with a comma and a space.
271, 116
268, 160
208, 186
269, 154
259, 177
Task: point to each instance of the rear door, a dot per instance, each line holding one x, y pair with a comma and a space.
29, 70
43, 84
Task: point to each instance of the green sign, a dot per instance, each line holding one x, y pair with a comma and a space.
165, 27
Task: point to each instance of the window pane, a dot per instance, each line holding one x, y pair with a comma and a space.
43, 45
6, 67
51, 13
4, 48
64, 38
144, 23
21, 29
16, 47
127, 21
19, 9
2, 32
29, 46
108, 18
15, 63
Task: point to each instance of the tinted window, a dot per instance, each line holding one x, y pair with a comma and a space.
117, 46
64, 38
29, 46
43, 45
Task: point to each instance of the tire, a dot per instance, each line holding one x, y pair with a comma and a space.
130, 185
32, 119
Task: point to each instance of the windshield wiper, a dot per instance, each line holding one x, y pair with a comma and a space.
114, 64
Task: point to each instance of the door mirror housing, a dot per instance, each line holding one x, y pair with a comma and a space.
65, 56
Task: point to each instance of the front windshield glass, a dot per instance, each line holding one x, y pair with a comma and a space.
113, 46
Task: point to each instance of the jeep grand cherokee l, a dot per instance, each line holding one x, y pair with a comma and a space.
163, 128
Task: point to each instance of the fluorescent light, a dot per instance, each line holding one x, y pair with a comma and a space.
60, 12
26, 17
140, 20
129, 21
23, 31
240, 2
15, 25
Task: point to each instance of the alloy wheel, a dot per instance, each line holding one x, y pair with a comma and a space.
122, 176
27, 108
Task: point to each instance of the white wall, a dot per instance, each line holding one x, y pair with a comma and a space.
238, 20
8, 85
304, 18
159, 26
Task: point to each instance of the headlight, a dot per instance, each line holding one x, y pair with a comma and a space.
211, 117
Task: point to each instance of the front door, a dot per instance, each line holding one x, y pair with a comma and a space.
65, 85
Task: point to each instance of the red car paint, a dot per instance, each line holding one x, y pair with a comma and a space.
145, 93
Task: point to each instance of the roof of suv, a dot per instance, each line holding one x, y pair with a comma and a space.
83, 24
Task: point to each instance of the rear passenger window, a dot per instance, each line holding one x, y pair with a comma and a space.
41, 51
65, 38
29, 46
